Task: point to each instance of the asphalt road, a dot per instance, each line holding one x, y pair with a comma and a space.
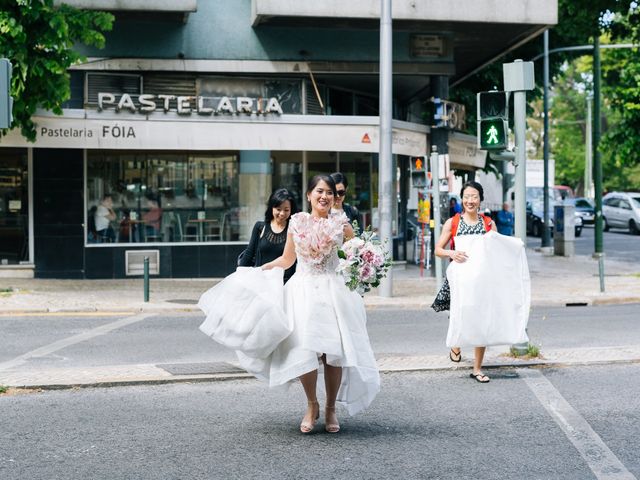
617, 244
176, 339
572, 423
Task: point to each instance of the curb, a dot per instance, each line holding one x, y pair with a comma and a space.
222, 377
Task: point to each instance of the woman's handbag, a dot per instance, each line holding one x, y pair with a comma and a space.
241, 261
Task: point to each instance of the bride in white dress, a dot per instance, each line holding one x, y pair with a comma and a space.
326, 321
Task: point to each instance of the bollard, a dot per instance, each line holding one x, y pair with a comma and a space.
146, 279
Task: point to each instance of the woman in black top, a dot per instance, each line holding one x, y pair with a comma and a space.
268, 238
350, 211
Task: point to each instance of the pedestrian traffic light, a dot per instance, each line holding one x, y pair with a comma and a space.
6, 102
418, 172
493, 120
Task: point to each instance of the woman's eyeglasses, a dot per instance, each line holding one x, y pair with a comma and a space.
340, 193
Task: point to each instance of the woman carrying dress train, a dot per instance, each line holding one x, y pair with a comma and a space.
470, 222
329, 320
268, 238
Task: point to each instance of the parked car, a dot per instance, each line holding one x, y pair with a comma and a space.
621, 210
584, 209
535, 213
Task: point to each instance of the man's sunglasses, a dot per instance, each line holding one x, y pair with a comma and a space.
340, 193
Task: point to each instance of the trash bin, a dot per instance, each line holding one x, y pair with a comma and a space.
564, 230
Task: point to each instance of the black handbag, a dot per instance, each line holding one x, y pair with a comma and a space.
241, 257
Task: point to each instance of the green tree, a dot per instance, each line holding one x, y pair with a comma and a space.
621, 89
38, 38
579, 21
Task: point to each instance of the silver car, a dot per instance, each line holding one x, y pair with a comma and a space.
621, 210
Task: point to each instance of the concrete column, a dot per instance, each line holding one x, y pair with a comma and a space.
255, 188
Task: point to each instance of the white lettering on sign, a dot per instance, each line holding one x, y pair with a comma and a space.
147, 103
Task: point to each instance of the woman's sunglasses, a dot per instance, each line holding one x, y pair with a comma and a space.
340, 193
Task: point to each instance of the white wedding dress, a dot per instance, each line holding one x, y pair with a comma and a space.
324, 316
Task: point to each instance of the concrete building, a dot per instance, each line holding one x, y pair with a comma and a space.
197, 109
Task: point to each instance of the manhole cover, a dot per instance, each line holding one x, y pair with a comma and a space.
199, 368
183, 301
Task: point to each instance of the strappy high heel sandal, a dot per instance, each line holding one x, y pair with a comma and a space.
307, 427
331, 427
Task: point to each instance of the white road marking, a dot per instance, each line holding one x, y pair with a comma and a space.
81, 337
600, 459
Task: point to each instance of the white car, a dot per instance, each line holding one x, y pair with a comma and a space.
621, 210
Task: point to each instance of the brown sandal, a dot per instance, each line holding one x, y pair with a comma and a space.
455, 357
480, 377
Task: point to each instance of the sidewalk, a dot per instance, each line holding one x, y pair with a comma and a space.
556, 281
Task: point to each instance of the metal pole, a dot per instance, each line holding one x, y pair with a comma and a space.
546, 236
385, 187
597, 165
588, 164
146, 279
520, 126
435, 175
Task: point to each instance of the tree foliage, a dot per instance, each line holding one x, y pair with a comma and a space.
621, 89
579, 22
38, 38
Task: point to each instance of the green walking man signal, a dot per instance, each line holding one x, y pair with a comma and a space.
6, 102
493, 120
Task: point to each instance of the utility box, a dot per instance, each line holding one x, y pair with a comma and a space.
564, 236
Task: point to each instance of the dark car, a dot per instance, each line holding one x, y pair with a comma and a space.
535, 213
584, 209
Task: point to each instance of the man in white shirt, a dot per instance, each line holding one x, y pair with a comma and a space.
103, 217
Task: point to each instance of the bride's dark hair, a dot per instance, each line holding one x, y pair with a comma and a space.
322, 178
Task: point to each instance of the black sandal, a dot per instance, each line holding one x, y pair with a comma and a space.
453, 355
478, 377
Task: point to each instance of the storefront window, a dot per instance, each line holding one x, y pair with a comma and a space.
14, 207
135, 197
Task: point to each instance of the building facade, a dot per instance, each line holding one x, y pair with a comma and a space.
178, 131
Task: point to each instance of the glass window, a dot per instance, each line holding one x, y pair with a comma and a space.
162, 197
14, 206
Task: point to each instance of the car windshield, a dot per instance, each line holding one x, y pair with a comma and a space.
636, 201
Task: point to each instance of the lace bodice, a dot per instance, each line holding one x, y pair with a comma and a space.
317, 241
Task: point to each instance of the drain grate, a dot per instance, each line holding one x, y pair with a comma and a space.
183, 301
199, 368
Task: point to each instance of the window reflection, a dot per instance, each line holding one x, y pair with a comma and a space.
161, 197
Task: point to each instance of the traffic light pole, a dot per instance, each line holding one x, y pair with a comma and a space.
546, 234
520, 127
385, 187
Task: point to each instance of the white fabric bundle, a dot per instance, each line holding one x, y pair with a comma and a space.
245, 311
490, 292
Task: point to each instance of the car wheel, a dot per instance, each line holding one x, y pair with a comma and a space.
633, 228
606, 225
536, 230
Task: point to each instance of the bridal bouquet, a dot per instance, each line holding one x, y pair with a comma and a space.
363, 262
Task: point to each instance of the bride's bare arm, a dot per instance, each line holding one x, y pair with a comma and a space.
287, 258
